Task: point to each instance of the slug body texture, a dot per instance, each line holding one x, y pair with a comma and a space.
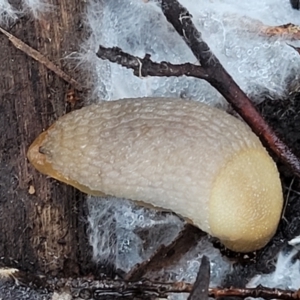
195, 160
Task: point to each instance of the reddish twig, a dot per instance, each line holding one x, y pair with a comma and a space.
96, 288
218, 77
260, 292
89, 288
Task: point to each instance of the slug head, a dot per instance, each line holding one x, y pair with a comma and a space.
37, 156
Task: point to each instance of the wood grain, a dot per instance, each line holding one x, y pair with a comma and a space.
44, 231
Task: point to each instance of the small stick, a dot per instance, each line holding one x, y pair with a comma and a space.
166, 256
122, 288
143, 67
93, 288
41, 59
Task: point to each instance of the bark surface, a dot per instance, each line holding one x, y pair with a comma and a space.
43, 231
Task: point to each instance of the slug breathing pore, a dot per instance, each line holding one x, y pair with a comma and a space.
185, 156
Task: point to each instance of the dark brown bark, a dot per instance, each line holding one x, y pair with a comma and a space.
43, 231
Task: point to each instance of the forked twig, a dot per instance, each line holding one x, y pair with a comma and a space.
143, 67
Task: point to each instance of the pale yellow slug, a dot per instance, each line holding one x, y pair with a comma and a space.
198, 161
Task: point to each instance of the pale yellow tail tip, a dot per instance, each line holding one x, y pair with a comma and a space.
245, 208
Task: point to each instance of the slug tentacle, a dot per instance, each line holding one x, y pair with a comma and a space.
180, 155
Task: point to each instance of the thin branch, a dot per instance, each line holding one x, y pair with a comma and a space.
218, 77
143, 67
260, 292
91, 288
121, 288
166, 256
41, 59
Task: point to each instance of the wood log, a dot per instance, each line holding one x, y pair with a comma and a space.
42, 226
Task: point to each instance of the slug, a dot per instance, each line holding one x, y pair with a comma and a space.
180, 155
